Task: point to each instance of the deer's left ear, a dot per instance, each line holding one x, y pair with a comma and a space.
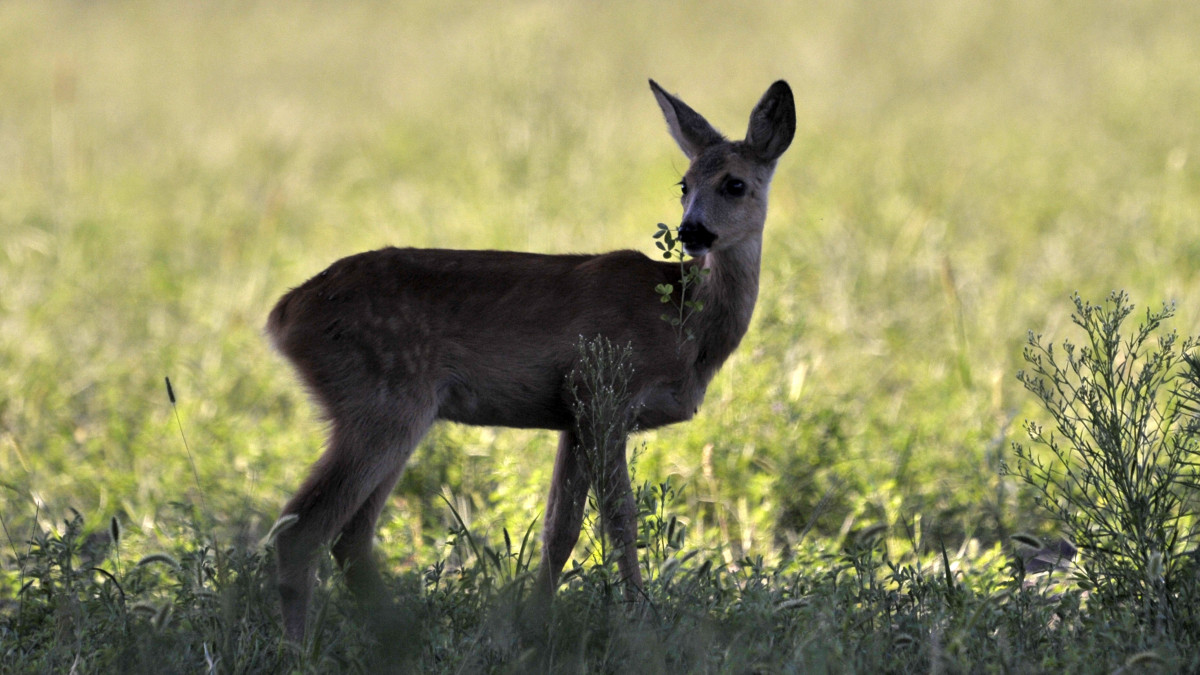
773, 123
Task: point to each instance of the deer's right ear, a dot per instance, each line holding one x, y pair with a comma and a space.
773, 123
692, 132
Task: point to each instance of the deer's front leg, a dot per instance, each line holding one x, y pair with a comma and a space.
620, 515
564, 514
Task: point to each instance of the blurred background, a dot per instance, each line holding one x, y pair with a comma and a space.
168, 169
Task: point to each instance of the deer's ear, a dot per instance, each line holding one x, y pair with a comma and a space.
691, 131
773, 123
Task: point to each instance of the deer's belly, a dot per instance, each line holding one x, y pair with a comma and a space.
503, 404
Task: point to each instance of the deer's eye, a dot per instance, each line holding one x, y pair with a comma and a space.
683, 188
734, 187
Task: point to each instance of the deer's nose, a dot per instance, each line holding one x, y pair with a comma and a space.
696, 238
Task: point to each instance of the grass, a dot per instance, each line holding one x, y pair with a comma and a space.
169, 169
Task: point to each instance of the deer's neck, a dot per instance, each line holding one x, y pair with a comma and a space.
729, 293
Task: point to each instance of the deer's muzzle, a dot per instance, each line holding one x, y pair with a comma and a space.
696, 238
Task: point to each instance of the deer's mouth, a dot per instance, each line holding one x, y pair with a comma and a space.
696, 238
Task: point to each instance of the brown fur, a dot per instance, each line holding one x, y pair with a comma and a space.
390, 341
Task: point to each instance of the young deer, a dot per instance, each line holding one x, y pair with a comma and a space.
390, 341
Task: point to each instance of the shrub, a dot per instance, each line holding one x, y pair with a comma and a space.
1118, 469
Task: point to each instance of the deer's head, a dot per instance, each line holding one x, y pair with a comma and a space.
725, 188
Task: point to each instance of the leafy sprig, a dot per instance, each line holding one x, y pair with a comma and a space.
689, 277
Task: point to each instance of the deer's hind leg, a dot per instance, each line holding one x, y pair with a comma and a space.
344, 494
352, 548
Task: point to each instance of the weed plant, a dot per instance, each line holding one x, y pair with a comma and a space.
599, 387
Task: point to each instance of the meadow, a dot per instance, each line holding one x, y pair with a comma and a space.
841, 503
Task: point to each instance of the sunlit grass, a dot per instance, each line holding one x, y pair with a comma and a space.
167, 170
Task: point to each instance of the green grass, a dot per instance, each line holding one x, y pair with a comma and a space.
168, 169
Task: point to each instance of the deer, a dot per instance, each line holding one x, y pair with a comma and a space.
390, 341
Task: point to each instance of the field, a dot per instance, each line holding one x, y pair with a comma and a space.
167, 170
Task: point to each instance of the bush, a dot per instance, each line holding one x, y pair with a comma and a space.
1118, 470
